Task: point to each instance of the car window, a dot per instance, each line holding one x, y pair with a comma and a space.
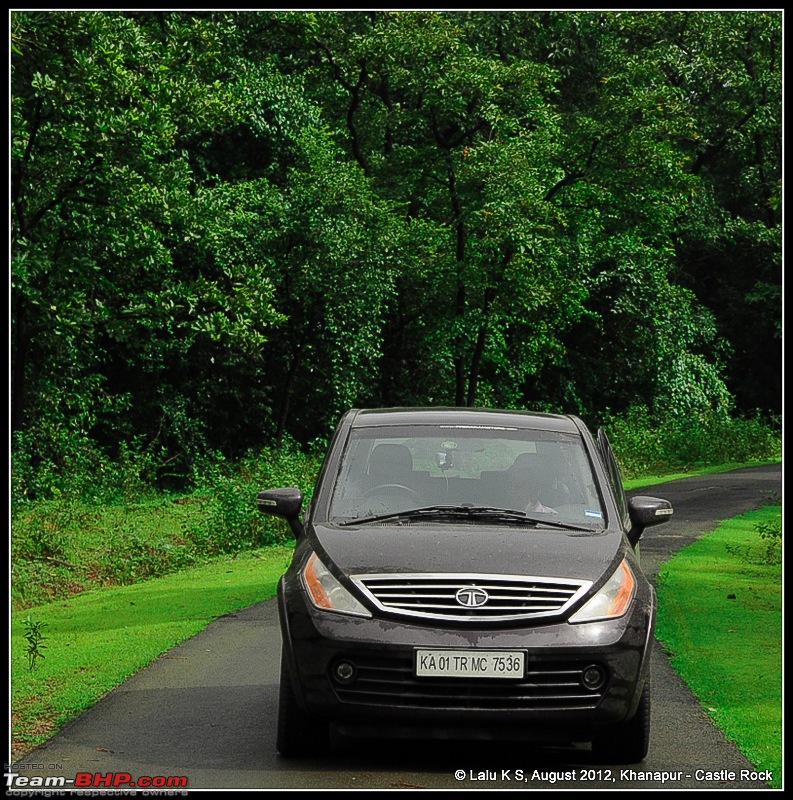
403, 467
613, 470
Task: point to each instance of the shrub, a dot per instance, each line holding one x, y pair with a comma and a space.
768, 551
646, 443
233, 521
71, 466
67, 543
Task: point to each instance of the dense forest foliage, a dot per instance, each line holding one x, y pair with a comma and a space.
228, 227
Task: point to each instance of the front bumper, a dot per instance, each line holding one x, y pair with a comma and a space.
384, 697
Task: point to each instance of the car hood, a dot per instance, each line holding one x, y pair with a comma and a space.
469, 548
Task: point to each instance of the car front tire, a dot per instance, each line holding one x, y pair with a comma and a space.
298, 733
627, 742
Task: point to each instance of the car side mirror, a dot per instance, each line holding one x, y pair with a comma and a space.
285, 503
646, 511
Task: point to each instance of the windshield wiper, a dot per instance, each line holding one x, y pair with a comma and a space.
424, 511
520, 516
468, 511
556, 523
446, 510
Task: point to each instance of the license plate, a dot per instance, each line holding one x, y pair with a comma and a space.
470, 663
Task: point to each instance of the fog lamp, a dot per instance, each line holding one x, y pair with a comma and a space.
593, 677
344, 672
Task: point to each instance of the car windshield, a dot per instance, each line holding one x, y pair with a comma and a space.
449, 470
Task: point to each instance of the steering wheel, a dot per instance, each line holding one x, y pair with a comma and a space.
389, 488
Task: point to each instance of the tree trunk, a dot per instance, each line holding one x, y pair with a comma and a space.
286, 395
19, 351
479, 347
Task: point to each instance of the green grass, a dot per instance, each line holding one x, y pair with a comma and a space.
61, 548
64, 547
720, 617
650, 480
94, 641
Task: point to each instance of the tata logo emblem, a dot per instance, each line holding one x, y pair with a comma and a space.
472, 596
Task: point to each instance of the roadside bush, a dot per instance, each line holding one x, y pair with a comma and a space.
768, 551
125, 531
645, 443
70, 465
96, 521
40, 552
233, 521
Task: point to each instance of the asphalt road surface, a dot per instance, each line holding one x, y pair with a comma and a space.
206, 710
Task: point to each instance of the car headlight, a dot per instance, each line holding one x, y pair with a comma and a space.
326, 592
613, 598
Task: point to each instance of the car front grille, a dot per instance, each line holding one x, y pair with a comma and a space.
547, 686
472, 598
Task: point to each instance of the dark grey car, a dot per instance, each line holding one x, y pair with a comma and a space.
466, 573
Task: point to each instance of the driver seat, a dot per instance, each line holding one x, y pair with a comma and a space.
390, 464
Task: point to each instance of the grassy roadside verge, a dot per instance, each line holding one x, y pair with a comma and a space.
651, 480
720, 618
92, 642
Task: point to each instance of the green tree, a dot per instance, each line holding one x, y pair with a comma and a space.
104, 207
229, 226
463, 145
548, 157
730, 240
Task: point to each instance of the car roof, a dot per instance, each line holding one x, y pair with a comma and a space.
476, 417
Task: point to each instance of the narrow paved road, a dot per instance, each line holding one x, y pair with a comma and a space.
206, 709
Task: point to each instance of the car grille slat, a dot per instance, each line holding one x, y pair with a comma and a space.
507, 597
390, 681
